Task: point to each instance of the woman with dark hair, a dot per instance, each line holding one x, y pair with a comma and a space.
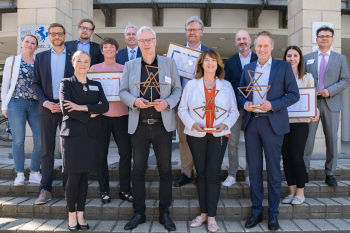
208, 110
294, 141
114, 121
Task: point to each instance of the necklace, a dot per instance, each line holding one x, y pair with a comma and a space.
85, 87
207, 86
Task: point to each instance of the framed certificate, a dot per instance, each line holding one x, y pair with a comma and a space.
185, 59
307, 104
110, 82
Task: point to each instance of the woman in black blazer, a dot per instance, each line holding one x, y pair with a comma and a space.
82, 100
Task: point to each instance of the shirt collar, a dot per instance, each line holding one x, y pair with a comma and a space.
155, 60
328, 52
63, 52
198, 48
241, 56
269, 62
129, 49
90, 41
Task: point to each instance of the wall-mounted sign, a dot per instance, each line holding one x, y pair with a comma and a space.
40, 31
317, 25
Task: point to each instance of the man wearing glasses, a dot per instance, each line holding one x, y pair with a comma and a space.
331, 77
151, 123
50, 67
131, 51
194, 31
85, 29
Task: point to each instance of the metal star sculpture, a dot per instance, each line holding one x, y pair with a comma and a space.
254, 86
151, 82
205, 107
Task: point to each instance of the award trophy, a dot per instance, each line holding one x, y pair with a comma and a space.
253, 86
151, 82
205, 109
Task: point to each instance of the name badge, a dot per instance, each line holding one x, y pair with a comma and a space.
167, 79
311, 61
93, 88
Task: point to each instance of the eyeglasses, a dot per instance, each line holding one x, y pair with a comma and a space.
131, 34
193, 30
143, 41
325, 37
85, 28
54, 34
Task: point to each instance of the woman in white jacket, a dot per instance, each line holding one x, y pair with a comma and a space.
208, 101
20, 105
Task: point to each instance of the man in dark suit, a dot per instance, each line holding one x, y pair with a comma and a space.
86, 28
50, 67
132, 50
194, 31
331, 77
266, 124
233, 73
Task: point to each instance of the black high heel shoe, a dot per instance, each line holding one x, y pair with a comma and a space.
84, 227
75, 228
126, 196
108, 200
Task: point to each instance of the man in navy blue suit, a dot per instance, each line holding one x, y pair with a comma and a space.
233, 72
132, 50
50, 67
266, 124
194, 31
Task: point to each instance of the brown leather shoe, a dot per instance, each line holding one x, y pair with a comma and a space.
44, 197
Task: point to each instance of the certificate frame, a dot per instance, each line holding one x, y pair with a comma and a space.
178, 52
307, 104
103, 78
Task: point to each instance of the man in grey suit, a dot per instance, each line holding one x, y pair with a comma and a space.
331, 77
151, 123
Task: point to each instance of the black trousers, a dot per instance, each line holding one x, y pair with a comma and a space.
293, 154
161, 140
118, 126
48, 127
208, 153
76, 191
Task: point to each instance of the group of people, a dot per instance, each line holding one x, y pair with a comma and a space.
208, 112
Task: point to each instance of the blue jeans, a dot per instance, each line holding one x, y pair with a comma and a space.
18, 112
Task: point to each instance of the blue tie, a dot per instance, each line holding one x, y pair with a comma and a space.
132, 57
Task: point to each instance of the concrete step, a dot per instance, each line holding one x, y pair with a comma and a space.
29, 225
316, 172
181, 210
189, 191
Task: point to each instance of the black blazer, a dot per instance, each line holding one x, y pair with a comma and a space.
42, 80
74, 122
122, 55
95, 51
233, 70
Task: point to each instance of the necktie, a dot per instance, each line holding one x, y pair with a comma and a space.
323, 66
132, 57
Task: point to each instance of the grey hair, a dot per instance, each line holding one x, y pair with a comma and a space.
264, 33
130, 26
194, 19
145, 28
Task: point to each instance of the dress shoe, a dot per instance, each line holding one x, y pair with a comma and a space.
273, 223
288, 199
253, 221
307, 180
135, 221
84, 227
198, 221
298, 200
75, 228
167, 222
230, 180
182, 181
331, 181
213, 227
44, 197
126, 196
105, 200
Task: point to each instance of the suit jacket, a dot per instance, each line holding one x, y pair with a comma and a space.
74, 122
233, 70
95, 51
283, 93
336, 78
129, 93
42, 80
122, 55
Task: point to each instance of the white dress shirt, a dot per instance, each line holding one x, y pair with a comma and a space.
129, 51
199, 48
245, 60
319, 61
263, 80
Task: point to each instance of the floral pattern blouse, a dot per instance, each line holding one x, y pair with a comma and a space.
24, 89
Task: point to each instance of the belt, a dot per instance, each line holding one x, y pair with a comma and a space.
151, 121
320, 97
260, 114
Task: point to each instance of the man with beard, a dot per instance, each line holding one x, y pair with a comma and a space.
233, 71
85, 29
50, 67
132, 50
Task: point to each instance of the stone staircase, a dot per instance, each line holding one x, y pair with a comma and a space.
326, 209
